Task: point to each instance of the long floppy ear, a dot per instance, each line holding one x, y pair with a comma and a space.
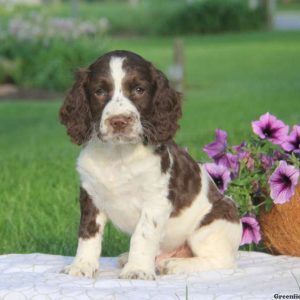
75, 112
166, 109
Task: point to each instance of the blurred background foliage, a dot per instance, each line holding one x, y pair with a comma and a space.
59, 35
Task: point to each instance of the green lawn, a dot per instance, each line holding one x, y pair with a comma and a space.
289, 6
231, 80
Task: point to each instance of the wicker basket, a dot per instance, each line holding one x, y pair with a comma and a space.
281, 227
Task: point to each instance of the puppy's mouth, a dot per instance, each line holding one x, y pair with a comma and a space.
120, 129
120, 138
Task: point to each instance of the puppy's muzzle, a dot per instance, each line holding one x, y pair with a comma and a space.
121, 123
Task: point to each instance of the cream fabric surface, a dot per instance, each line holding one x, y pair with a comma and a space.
258, 276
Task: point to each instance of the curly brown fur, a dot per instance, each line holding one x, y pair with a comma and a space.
75, 112
166, 109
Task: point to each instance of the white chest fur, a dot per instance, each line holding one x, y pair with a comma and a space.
121, 180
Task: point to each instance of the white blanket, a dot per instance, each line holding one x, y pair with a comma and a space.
258, 276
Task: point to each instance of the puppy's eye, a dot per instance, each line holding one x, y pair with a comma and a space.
100, 92
139, 90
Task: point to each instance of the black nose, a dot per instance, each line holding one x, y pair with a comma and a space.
120, 122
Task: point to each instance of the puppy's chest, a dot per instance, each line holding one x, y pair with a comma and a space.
121, 183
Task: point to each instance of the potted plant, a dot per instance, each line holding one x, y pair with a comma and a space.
262, 175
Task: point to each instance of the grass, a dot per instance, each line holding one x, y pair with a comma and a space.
230, 80
288, 6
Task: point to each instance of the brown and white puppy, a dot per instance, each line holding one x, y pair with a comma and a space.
124, 113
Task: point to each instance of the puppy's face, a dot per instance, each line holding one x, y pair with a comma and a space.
123, 99
121, 90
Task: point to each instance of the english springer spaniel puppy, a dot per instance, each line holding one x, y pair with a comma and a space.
124, 113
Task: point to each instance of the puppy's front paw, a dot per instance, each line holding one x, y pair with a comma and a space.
123, 259
173, 266
82, 269
136, 273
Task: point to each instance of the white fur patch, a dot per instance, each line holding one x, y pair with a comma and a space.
122, 180
86, 262
117, 73
214, 246
178, 229
120, 105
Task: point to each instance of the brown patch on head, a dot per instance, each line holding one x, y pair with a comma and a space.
150, 91
88, 226
100, 86
222, 207
185, 181
83, 104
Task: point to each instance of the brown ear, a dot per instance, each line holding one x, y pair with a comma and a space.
166, 109
75, 112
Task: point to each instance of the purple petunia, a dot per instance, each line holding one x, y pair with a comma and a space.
229, 161
283, 182
251, 230
239, 149
266, 161
292, 143
220, 175
217, 149
269, 127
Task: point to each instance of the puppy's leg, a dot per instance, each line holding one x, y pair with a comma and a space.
214, 246
92, 222
123, 259
144, 242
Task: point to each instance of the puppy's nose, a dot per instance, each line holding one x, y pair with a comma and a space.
120, 122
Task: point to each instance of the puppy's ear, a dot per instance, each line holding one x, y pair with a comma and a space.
166, 109
75, 112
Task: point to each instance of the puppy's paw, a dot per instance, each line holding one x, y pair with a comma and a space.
173, 266
136, 273
82, 269
123, 259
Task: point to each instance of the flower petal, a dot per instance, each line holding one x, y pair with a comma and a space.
282, 182
269, 127
257, 129
218, 147
219, 174
251, 230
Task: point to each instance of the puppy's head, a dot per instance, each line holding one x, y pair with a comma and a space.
122, 98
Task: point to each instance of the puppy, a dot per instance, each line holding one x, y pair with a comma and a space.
124, 113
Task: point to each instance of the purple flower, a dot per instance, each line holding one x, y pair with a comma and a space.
251, 230
217, 149
239, 149
220, 175
269, 127
266, 161
231, 162
283, 182
292, 143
